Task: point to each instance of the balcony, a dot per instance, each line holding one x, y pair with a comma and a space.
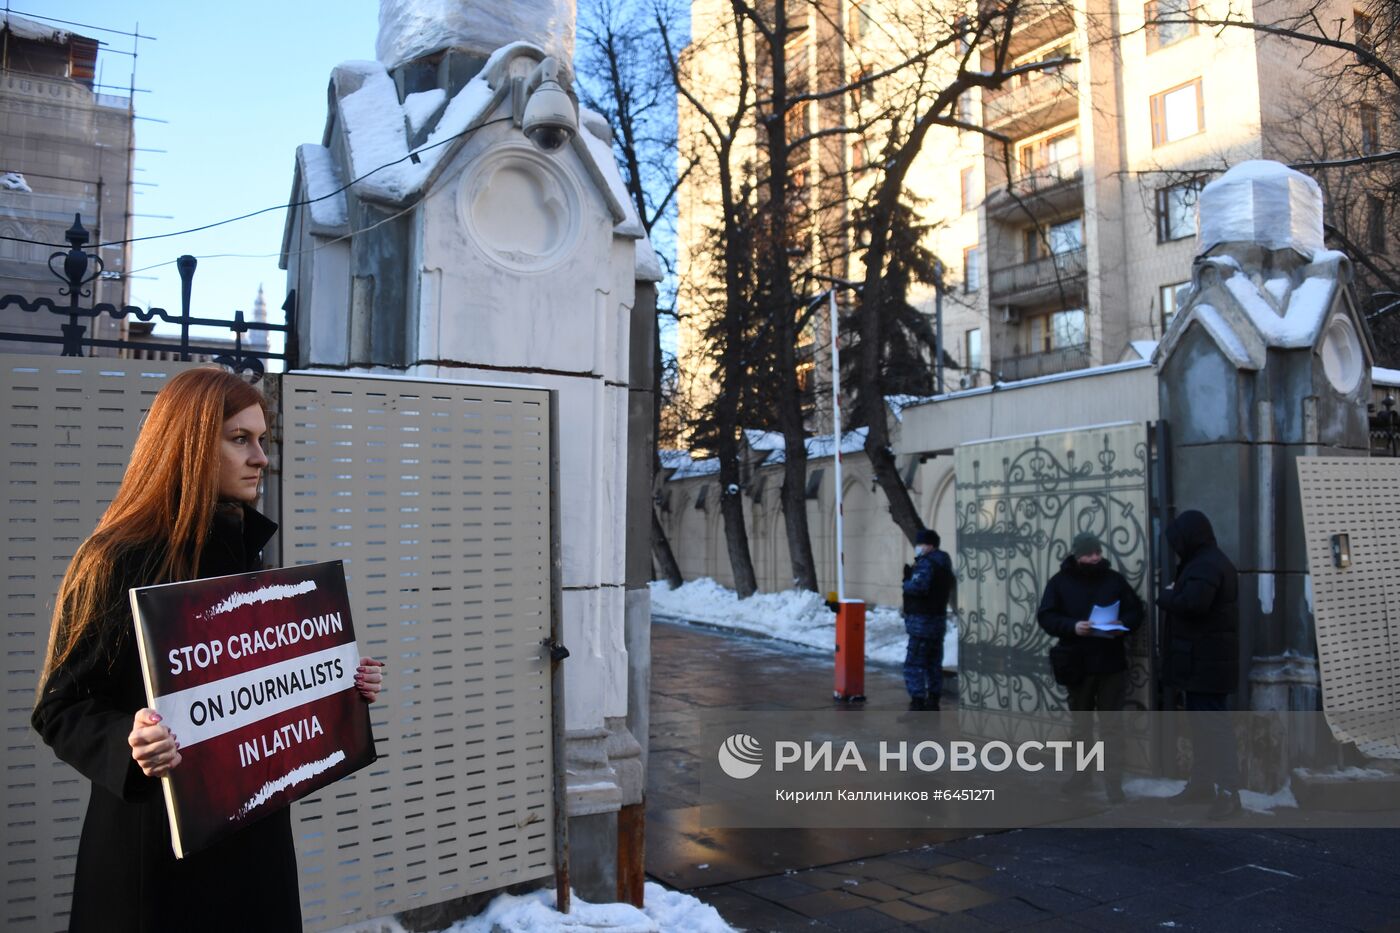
1031, 365
1037, 22
1032, 102
1039, 280
1053, 188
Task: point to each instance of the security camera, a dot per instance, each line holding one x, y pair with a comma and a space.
732, 489
550, 119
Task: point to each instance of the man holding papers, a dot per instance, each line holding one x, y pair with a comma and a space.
1090, 607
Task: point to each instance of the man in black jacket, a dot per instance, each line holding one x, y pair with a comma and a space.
1091, 661
1202, 658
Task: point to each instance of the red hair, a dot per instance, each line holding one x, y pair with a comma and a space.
164, 506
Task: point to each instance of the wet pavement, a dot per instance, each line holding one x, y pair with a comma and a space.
771, 881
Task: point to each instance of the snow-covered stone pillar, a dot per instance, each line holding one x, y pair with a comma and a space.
484, 258
1268, 360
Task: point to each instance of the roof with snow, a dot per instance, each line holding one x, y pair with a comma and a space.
379, 164
1385, 377
693, 468
1246, 312
673, 459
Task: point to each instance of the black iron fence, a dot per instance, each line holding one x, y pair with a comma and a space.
79, 268
1385, 428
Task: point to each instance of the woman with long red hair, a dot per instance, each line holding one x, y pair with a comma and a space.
184, 511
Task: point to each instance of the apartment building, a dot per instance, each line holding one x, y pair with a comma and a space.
1066, 246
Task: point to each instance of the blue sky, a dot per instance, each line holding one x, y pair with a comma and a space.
241, 86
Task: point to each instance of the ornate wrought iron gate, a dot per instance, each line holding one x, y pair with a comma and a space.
1020, 501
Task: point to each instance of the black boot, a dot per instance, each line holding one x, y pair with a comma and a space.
1225, 806
918, 702
931, 703
1194, 792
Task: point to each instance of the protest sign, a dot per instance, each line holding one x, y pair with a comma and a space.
255, 673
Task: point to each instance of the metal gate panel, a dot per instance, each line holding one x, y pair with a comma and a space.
437, 497
1356, 609
1020, 502
66, 428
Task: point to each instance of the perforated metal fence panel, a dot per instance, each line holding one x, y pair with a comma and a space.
437, 498
66, 427
1356, 608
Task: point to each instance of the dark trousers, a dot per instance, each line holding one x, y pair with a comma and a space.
923, 660
1102, 693
1213, 758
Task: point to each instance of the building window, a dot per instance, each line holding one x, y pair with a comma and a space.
1361, 27
964, 111
1375, 224
1177, 113
972, 342
969, 191
1052, 156
1177, 25
972, 268
1059, 238
1168, 297
862, 23
1061, 330
1370, 129
1176, 211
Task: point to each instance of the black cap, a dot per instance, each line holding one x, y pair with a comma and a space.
927, 536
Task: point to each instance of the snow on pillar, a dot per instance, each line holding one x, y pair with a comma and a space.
1268, 360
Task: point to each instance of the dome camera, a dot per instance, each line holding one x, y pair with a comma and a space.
550, 119
732, 489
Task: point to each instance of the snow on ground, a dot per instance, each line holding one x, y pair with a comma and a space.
795, 616
1253, 801
664, 912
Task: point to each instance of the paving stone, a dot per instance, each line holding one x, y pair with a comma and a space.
877, 890
955, 898
904, 911
777, 888
863, 920
923, 858
967, 871
917, 882
825, 879
824, 902
955, 923
1009, 914
879, 867
745, 911
1053, 900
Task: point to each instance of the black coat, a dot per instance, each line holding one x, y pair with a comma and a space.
1072, 594
1203, 615
127, 877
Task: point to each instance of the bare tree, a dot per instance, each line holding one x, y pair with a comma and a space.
718, 140
972, 51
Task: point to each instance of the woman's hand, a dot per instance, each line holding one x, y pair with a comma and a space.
368, 679
153, 746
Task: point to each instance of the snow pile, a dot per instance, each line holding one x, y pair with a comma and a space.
323, 187
1385, 377
419, 108
664, 912
410, 29
1253, 801
796, 616
376, 131
1262, 202
14, 181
